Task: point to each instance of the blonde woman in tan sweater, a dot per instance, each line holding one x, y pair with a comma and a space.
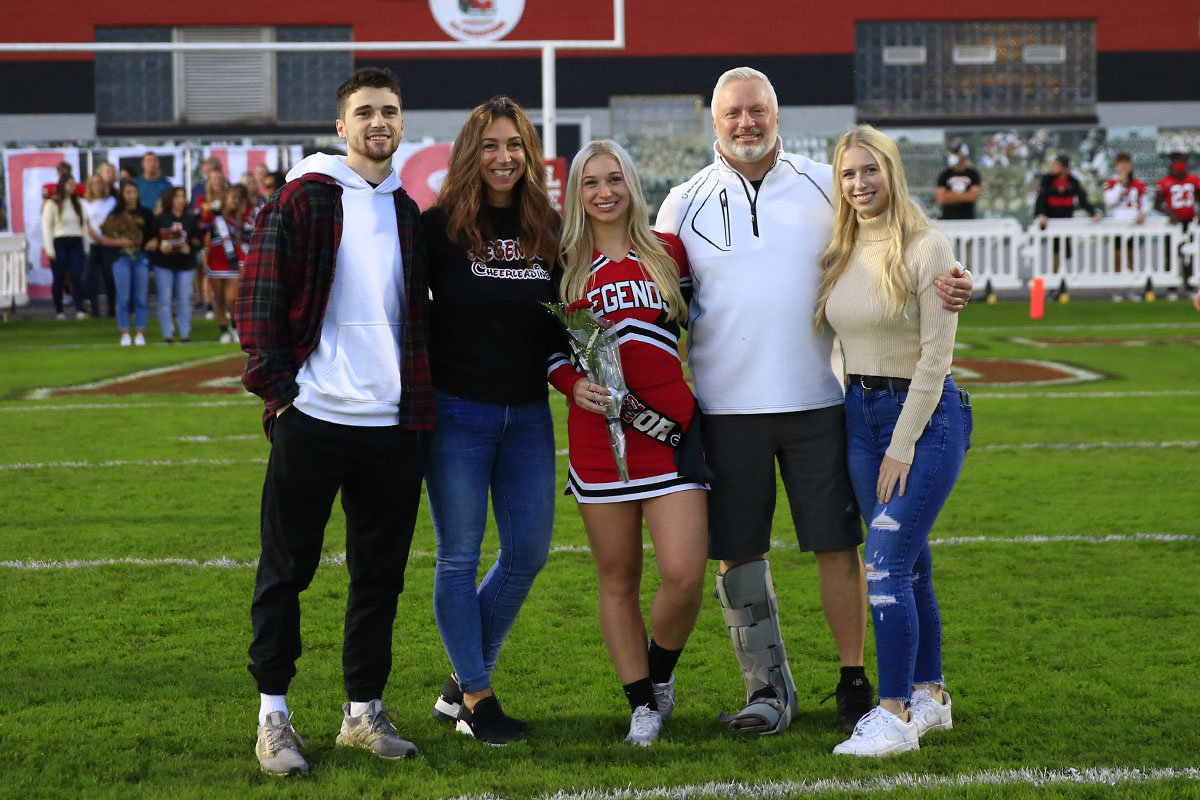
907, 427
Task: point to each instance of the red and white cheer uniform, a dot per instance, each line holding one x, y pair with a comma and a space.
622, 293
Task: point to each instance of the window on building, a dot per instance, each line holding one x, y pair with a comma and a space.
973, 70
206, 88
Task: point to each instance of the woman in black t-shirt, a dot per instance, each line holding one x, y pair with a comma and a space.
173, 248
492, 241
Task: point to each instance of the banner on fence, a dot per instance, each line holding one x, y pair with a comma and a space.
26, 171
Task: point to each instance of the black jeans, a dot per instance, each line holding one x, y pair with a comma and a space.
379, 471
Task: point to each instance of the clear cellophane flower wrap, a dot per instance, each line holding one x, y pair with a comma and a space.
596, 351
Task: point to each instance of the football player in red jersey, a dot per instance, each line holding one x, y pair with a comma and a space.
1177, 194
1177, 191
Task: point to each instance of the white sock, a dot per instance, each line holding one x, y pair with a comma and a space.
358, 709
270, 702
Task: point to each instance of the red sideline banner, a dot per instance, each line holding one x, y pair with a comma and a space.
26, 172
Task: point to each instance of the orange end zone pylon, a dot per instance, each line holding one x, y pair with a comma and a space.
1037, 299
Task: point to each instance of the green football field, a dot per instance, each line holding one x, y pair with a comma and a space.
1066, 565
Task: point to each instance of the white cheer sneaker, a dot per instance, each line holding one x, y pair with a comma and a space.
880, 733
929, 714
644, 726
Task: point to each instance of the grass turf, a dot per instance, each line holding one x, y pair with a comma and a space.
128, 680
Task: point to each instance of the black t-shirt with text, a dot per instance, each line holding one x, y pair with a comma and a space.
959, 182
490, 338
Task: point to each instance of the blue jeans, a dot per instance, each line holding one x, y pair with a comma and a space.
132, 277
904, 608
70, 260
178, 284
509, 450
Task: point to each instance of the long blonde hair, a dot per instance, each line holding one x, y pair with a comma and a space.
578, 241
903, 217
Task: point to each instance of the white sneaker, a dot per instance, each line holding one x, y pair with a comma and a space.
929, 714
277, 748
81, 315
225, 338
880, 733
126, 339
60, 315
664, 697
644, 727
139, 340
210, 314
233, 333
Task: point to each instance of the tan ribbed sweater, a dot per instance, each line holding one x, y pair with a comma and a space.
919, 344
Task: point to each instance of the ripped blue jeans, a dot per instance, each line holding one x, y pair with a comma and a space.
904, 608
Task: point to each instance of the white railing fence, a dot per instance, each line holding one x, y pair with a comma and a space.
14, 286
1109, 254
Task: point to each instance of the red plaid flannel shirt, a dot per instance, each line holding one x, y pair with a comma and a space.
285, 287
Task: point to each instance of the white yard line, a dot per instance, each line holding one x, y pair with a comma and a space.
1078, 395
248, 401
1122, 327
337, 559
167, 462
759, 790
1084, 445
150, 462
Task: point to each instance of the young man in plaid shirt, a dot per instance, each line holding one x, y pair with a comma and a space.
333, 310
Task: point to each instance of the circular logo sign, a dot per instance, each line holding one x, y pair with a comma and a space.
477, 20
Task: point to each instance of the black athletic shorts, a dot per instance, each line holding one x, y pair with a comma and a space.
810, 447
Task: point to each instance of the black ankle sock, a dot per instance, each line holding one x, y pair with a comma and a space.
640, 693
224, 329
662, 662
851, 674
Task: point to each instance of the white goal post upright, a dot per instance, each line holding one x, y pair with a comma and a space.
547, 47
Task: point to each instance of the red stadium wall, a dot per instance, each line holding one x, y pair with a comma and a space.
654, 27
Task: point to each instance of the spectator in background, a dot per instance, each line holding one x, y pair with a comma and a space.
253, 194
268, 185
1177, 196
207, 166
152, 182
3, 215
63, 168
63, 229
98, 203
173, 254
1059, 194
207, 204
1126, 198
109, 173
958, 185
129, 227
1177, 192
226, 243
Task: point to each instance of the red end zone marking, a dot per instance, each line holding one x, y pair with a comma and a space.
221, 377
1019, 371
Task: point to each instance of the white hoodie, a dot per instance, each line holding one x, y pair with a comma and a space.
353, 376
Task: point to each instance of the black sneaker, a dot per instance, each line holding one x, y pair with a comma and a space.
449, 702
855, 697
488, 723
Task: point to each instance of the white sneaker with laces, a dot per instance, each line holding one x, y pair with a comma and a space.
139, 339
276, 749
126, 339
880, 733
664, 697
644, 726
226, 338
929, 714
